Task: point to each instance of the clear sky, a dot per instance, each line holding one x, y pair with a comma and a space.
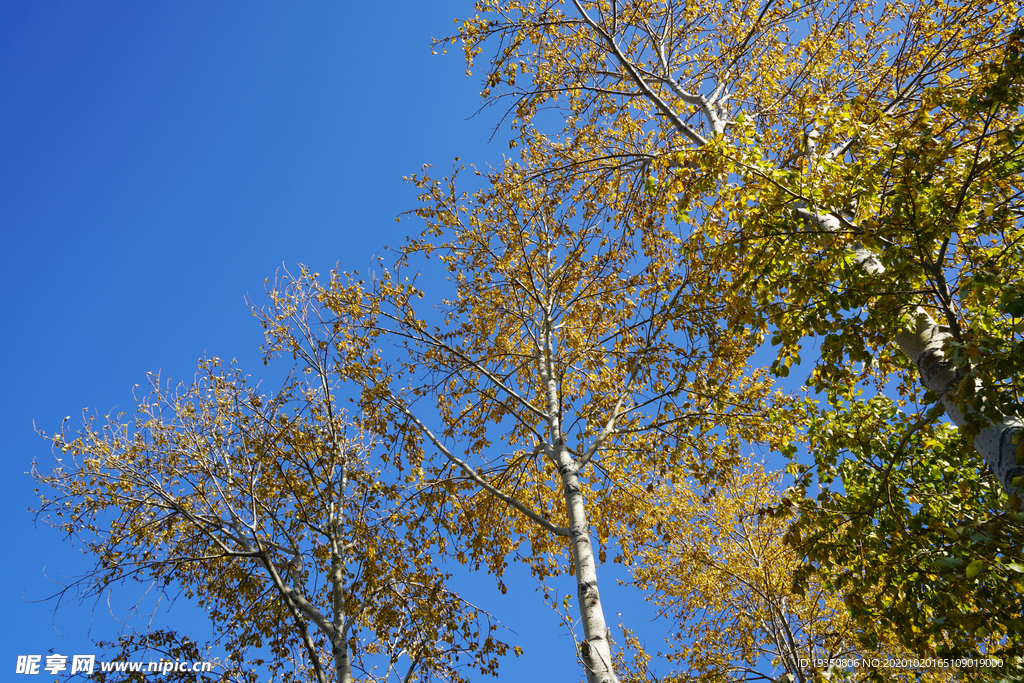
159, 161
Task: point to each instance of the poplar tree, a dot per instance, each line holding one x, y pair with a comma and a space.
691, 181
857, 162
575, 366
274, 513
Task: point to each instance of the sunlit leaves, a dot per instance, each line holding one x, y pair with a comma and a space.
270, 512
714, 561
838, 165
913, 531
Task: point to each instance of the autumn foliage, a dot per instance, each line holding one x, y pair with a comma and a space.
577, 357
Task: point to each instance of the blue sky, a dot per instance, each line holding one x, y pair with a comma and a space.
159, 162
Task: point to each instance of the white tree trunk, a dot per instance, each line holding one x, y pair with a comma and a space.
342, 663
996, 442
595, 650
923, 345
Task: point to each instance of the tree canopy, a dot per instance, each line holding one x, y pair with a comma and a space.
313, 561
576, 366
857, 166
789, 133
566, 362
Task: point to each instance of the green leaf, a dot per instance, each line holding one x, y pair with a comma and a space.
1015, 308
974, 568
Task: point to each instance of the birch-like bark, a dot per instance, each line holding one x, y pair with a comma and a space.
339, 643
595, 650
997, 443
922, 344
